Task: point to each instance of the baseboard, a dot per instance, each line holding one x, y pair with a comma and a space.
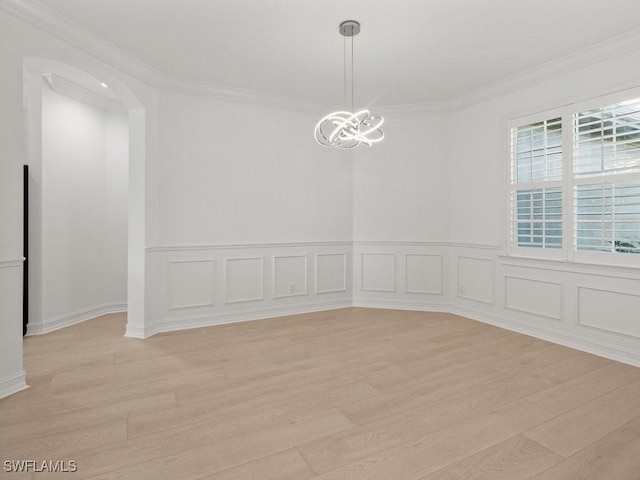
74, 318
576, 342
184, 323
397, 305
136, 332
583, 344
13, 384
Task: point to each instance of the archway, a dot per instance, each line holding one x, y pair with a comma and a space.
34, 69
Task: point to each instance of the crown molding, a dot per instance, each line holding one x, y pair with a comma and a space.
415, 109
608, 49
69, 89
226, 93
39, 16
43, 18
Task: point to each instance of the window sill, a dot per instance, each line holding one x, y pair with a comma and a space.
583, 267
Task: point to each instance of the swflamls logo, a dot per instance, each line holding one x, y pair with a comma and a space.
55, 466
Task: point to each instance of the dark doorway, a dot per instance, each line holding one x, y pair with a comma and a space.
25, 249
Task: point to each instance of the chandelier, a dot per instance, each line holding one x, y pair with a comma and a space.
344, 129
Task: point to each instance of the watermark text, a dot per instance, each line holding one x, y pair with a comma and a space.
39, 466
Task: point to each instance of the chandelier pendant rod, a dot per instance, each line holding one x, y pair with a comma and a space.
349, 129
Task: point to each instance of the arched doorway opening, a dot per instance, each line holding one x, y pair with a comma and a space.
121, 103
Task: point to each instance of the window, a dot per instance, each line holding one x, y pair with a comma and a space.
536, 180
576, 193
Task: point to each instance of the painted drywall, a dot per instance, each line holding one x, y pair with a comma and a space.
400, 186
24, 46
117, 208
235, 173
552, 300
84, 208
479, 161
12, 154
219, 174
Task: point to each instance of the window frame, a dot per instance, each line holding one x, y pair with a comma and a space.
512, 187
568, 252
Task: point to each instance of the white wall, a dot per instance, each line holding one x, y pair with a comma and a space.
400, 190
27, 42
413, 252
402, 216
84, 211
117, 208
256, 217
552, 300
234, 173
245, 216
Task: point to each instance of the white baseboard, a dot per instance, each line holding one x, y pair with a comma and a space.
13, 384
135, 332
183, 323
602, 349
74, 318
399, 305
588, 345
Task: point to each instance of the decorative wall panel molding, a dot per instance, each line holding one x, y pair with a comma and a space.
244, 279
331, 272
191, 283
378, 272
242, 246
535, 297
591, 269
423, 273
476, 279
611, 311
289, 275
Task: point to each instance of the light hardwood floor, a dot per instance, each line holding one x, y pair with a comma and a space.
346, 394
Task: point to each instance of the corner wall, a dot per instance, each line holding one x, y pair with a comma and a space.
407, 256
589, 307
83, 224
256, 217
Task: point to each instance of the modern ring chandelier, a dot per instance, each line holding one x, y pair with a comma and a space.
344, 129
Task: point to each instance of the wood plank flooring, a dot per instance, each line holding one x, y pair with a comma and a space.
351, 394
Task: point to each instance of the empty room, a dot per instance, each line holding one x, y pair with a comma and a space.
320, 240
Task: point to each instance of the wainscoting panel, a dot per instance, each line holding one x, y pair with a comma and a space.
614, 312
534, 296
244, 279
378, 272
331, 272
402, 275
476, 279
589, 307
191, 283
289, 276
200, 285
423, 273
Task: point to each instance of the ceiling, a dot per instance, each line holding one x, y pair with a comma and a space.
408, 51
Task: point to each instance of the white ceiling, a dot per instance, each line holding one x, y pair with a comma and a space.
409, 51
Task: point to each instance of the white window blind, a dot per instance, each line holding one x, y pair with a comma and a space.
539, 217
607, 217
606, 165
607, 140
536, 184
538, 151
